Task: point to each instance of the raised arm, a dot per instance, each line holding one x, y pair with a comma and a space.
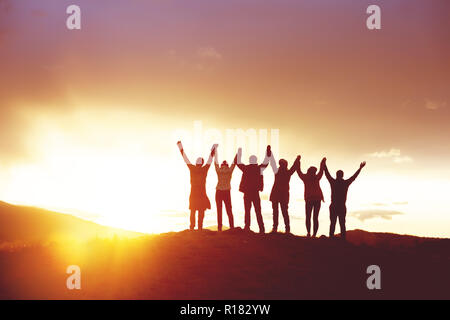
327, 173
322, 164
211, 155
233, 165
266, 160
299, 168
216, 160
183, 154
294, 165
353, 177
273, 162
238, 159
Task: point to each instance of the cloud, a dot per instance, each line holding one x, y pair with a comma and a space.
209, 53
386, 154
435, 105
394, 154
202, 60
403, 159
397, 203
364, 215
379, 204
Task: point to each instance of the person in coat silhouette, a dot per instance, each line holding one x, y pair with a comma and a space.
223, 188
339, 190
313, 196
198, 199
279, 196
251, 184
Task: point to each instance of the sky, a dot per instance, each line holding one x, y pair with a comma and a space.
90, 117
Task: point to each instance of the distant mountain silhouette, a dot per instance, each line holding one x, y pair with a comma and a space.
386, 240
29, 224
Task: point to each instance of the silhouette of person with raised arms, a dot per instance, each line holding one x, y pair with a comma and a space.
223, 195
339, 190
279, 196
313, 196
251, 184
198, 199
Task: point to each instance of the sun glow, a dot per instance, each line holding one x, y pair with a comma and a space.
123, 170
106, 173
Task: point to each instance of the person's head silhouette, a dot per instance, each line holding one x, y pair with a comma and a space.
283, 164
224, 164
339, 174
312, 171
253, 160
199, 162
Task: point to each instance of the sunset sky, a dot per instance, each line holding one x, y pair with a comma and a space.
90, 118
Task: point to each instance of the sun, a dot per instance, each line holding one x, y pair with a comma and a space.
122, 183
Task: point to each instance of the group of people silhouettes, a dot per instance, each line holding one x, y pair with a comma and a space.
252, 184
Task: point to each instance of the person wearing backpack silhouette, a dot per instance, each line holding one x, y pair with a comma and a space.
198, 199
223, 195
251, 185
313, 196
339, 190
279, 196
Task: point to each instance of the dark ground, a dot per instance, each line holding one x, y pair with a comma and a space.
230, 265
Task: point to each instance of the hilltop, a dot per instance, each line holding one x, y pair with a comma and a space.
31, 225
230, 265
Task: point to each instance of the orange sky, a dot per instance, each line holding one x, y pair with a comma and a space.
138, 71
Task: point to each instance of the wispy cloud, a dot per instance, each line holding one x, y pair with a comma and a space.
203, 59
394, 154
209, 53
435, 105
397, 203
364, 215
403, 159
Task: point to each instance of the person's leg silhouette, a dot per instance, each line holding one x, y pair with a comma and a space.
201, 215
219, 210
228, 208
192, 226
257, 205
308, 211
333, 218
316, 210
275, 216
247, 208
284, 211
342, 214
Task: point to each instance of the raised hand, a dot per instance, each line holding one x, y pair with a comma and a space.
238, 157
213, 149
362, 165
269, 151
297, 162
180, 146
